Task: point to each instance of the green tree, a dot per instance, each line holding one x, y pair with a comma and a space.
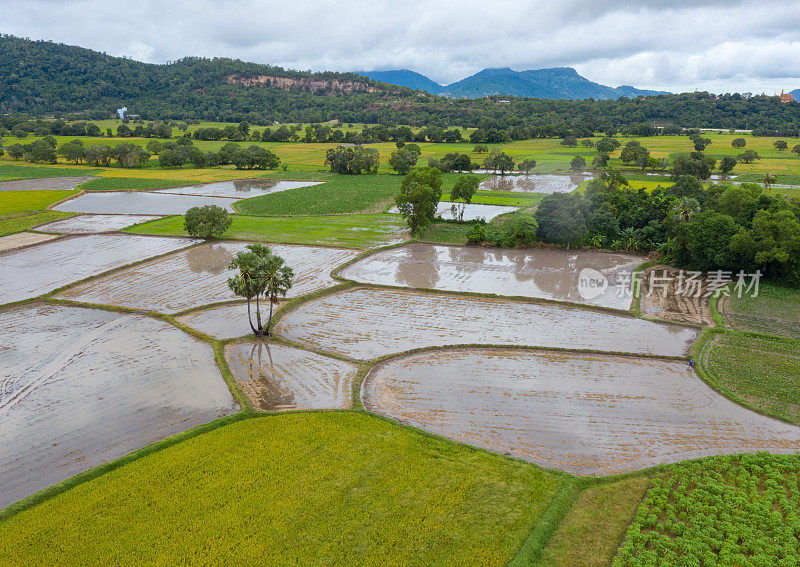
738, 143
463, 191
207, 222
748, 156
260, 273
403, 161
796, 150
73, 151
352, 160
560, 219
527, 165
577, 163
480, 149
154, 147
694, 164
569, 141
600, 161
780, 145
16, 151
420, 193
726, 164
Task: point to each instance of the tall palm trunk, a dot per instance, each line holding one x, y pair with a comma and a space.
258, 319
269, 321
250, 318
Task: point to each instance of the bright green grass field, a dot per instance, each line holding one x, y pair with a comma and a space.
349, 231
342, 194
29, 171
775, 311
130, 184
18, 201
18, 222
505, 198
764, 371
323, 488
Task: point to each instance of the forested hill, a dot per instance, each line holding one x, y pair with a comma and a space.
48, 79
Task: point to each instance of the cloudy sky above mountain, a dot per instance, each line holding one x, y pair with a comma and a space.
680, 45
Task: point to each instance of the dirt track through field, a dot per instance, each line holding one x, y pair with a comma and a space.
586, 414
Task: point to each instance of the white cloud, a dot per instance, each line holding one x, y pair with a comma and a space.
684, 45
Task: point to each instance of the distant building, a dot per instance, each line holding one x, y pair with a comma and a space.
786, 97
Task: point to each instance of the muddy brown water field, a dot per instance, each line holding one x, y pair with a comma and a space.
34, 270
44, 184
280, 377
139, 203
198, 276
535, 183
368, 323
223, 322
239, 188
666, 296
91, 224
80, 387
539, 273
585, 414
20, 239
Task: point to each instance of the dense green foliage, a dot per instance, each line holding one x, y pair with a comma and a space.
722, 227
420, 193
206, 222
312, 488
45, 78
722, 511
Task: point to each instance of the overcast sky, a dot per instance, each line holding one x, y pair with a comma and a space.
680, 45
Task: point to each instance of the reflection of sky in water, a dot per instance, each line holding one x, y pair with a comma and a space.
139, 203
543, 273
240, 188
535, 183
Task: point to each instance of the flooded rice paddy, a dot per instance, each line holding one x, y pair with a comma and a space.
32, 271
240, 188
540, 273
139, 203
92, 224
198, 276
535, 183
44, 184
472, 211
20, 239
223, 322
80, 387
585, 414
280, 377
368, 323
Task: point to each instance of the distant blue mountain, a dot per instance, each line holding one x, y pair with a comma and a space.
796, 94
556, 82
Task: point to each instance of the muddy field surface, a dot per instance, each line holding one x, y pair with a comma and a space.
92, 224
139, 203
240, 188
43, 184
198, 276
472, 211
80, 387
368, 323
535, 183
280, 377
20, 239
30, 272
223, 322
584, 414
540, 273
666, 296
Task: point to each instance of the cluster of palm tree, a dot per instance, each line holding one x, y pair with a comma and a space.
261, 274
